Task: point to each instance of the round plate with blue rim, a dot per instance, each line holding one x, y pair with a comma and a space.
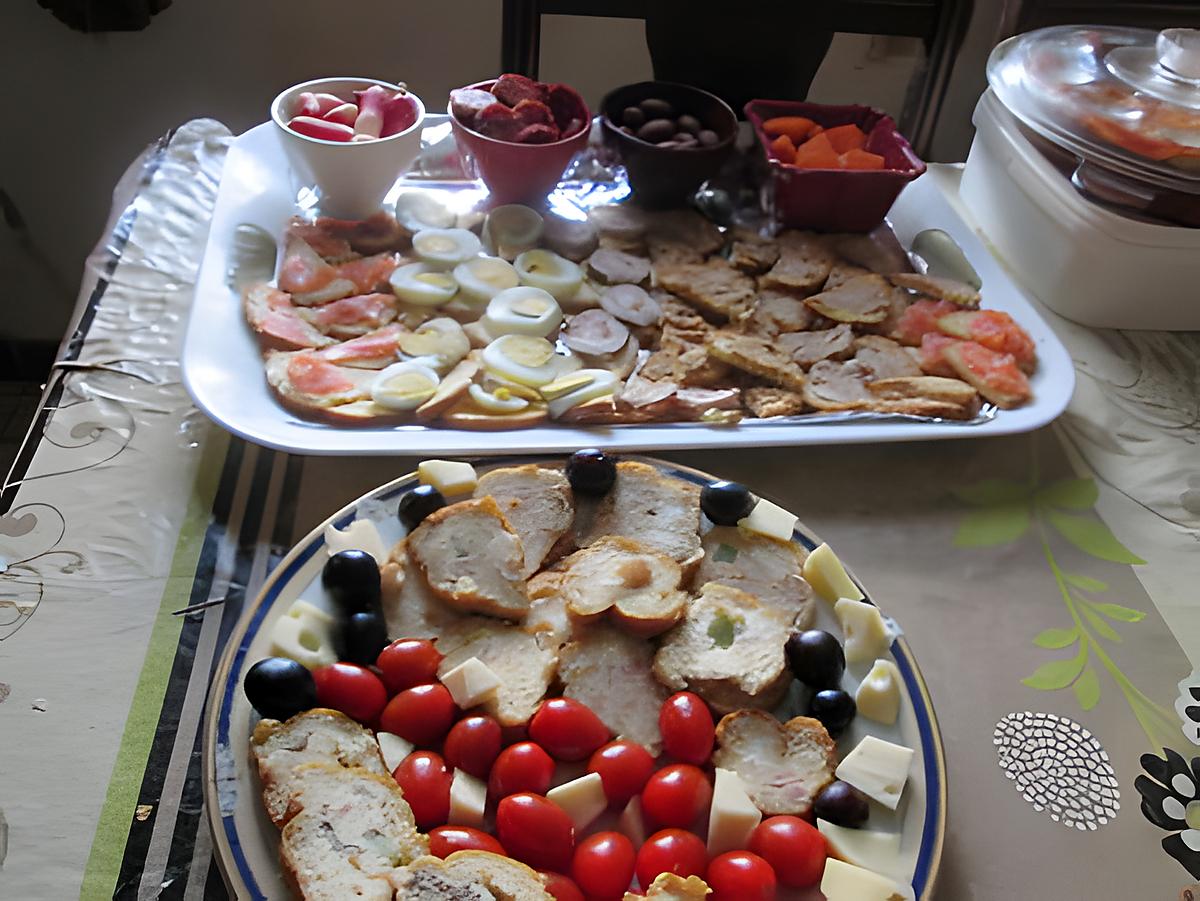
247, 844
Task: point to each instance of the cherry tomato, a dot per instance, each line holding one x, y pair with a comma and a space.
562, 888
687, 728
445, 840
794, 849
535, 831
603, 866
473, 744
676, 795
523, 767
671, 851
354, 690
408, 662
740, 876
421, 714
624, 767
567, 729
425, 780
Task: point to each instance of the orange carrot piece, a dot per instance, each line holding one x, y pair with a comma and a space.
795, 127
783, 149
817, 153
846, 137
861, 159
816, 130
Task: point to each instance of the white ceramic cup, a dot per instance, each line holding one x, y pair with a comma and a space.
353, 178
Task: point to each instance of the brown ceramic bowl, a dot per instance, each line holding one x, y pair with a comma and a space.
668, 176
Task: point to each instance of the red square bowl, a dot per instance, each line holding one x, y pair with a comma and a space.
837, 200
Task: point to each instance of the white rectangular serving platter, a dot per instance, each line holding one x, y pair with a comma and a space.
223, 370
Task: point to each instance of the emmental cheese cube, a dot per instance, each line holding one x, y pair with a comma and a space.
867, 848
471, 683
866, 636
845, 882
878, 769
878, 697
393, 748
732, 816
448, 476
825, 573
581, 799
304, 634
769, 519
468, 798
360, 535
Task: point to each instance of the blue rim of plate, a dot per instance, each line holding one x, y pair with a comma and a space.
225, 685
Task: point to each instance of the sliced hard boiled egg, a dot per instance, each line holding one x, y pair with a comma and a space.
442, 340
522, 358
522, 311
547, 270
498, 400
416, 211
482, 278
404, 386
578, 388
422, 285
445, 248
512, 229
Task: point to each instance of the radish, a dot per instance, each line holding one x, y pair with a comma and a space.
399, 114
312, 127
315, 105
370, 110
345, 114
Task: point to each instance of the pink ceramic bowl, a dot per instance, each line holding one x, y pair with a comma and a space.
515, 172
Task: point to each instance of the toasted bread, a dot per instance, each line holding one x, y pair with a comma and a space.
728, 649
715, 287
752, 253
305, 382
804, 263
937, 287
767, 402
466, 415
782, 765
759, 565
536, 501
611, 672
472, 558
757, 356
778, 312
314, 736
837, 386
452, 389
807, 348
275, 321
524, 667
885, 358
469, 876
670, 887
865, 300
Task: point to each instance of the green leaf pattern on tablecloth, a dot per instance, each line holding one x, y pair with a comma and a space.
1006, 511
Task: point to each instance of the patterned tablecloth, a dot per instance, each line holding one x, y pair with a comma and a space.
1047, 583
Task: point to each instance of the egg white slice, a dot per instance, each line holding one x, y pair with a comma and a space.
482, 278
592, 383
404, 386
547, 270
522, 311
522, 358
445, 248
442, 340
416, 211
511, 229
421, 285
500, 400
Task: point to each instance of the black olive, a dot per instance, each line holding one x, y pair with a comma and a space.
816, 658
834, 708
591, 471
278, 688
841, 804
415, 505
726, 502
361, 637
352, 578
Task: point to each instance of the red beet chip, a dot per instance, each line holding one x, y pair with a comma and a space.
512, 89
537, 134
566, 105
533, 112
497, 121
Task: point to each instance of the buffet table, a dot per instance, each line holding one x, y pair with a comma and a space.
1045, 582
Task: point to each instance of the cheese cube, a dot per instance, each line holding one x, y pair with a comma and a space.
468, 798
825, 573
865, 637
769, 519
632, 822
875, 851
360, 535
732, 816
581, 799
448, 476
471, 682
878, 769
878, 697
393, 748
305, 634
845, 882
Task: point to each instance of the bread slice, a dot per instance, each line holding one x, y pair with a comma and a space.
549, 621
758, 356
728, 649
306, 383
658, 511
314, 736
612, 673
467, 876
472, 558
636, 586
410, 607
804, 263
536, 501
769, 569
669, 887
353, 829
782, 765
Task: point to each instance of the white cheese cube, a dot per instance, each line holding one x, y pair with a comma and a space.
393, 748
305, 634
878, 697
448, 476
581, 799
632, 822
845, 882
471, 683
875, 851
732, 816
825, 573
878, 769
360, 535
769, 519
864, 635
468, 798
